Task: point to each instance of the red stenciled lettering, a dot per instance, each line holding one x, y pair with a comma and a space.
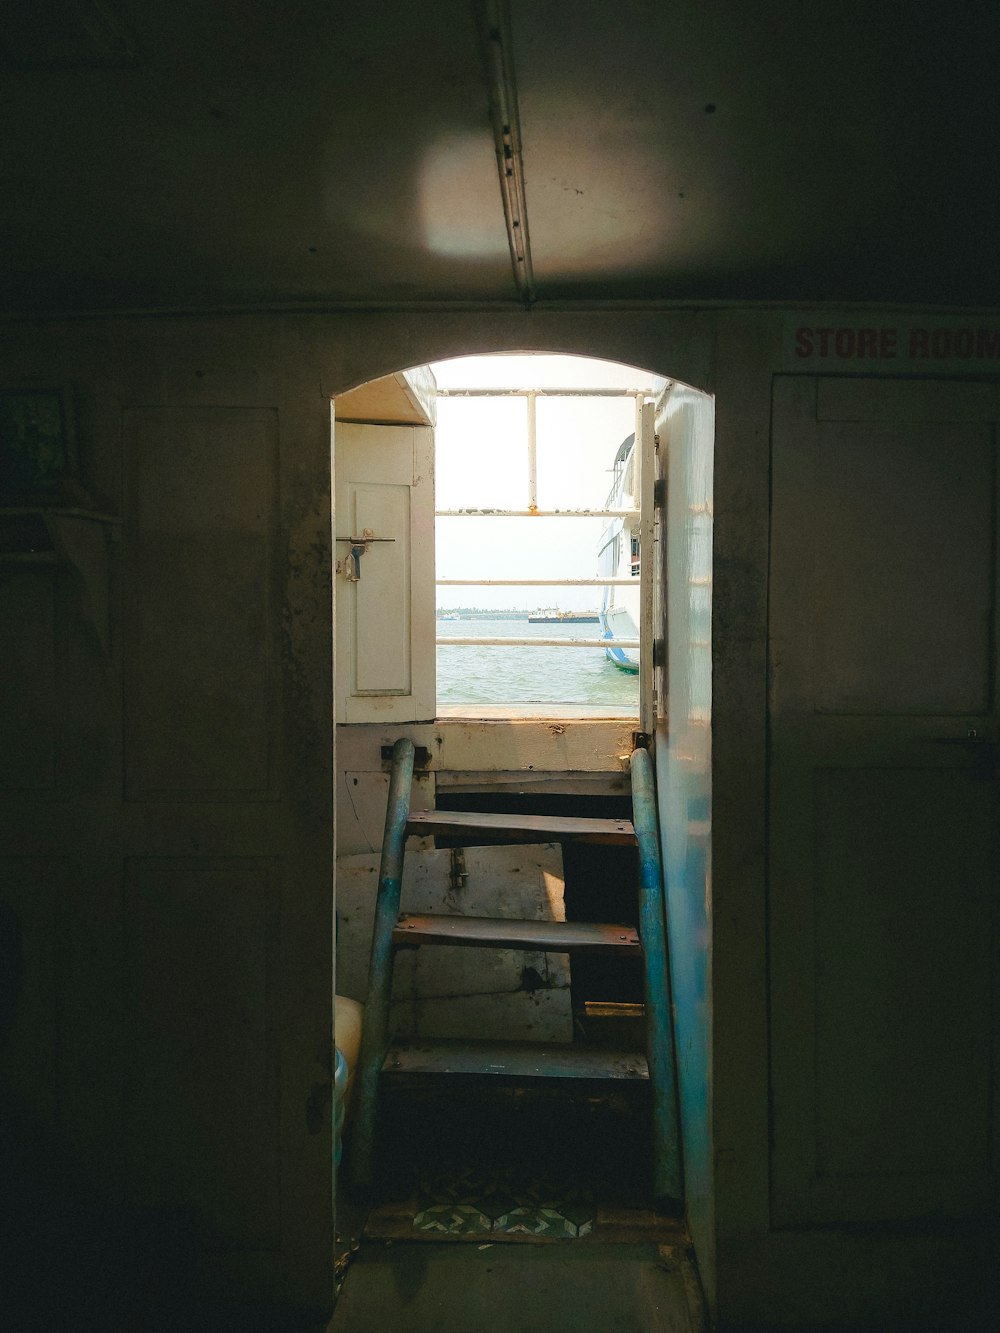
843, 343
918, 343
963, 342
824, 341
887, 343
988, 343
803, 342
941, 343
867, 343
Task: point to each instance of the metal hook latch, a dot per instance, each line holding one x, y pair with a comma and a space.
359, 545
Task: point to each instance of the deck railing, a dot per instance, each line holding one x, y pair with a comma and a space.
531, 396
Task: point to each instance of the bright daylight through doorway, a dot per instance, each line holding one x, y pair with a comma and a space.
483, 448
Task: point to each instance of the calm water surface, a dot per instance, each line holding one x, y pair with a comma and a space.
525, 674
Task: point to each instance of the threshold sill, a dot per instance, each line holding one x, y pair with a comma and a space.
534, 712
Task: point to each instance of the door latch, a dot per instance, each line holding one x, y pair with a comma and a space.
458, 874
351, 567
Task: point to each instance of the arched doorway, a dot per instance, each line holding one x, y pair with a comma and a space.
494, 766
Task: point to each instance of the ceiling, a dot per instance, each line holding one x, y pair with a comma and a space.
205, 153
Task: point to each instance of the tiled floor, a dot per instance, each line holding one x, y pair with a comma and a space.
513, 1168
475, 1201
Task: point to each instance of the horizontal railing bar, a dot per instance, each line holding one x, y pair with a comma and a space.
545, 393
536, 513
537, 583
541, 643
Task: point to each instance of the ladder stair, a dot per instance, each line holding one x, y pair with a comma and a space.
519, 1060
515, 1060
412, 930
470, 826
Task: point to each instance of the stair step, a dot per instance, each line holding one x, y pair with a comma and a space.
521, 1060
505, 933
470, 824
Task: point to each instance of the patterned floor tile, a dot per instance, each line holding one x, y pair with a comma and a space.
469, 1201
579, 1212
451, 1220
537, 1222
497, 1205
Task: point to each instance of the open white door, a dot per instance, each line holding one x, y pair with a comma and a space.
384, 525
646, 442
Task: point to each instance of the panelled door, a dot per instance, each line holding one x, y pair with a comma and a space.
384, 524
884, 799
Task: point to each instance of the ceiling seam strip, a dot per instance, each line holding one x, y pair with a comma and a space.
496, 49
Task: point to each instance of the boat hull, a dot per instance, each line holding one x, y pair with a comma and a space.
617, 623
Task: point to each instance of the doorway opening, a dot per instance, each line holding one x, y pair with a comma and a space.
538, 534
545, 454
498, 540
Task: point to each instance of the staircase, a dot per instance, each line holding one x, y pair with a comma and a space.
521, 1061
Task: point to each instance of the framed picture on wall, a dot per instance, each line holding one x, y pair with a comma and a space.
36, 445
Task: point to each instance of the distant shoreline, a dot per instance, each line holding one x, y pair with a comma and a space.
457, 613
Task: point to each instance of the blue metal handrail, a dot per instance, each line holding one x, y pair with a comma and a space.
375, 1030
656, 983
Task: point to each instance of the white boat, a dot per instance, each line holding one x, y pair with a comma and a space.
618, 558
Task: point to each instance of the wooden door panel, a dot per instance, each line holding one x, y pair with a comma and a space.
883, 973
381, 632
202, 543
201, 1055
902, 578
385, 619
225, 837
903, 1006
883, 845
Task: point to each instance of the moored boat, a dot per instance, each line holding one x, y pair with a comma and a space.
554, 617
618, 557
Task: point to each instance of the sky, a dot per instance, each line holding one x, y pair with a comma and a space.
481, 462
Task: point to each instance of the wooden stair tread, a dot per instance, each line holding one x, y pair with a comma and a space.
524, 1060
520, 828
508, 933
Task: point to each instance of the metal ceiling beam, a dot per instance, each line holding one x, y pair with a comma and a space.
493, 25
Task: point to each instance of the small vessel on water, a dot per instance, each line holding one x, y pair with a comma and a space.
551, 616
618, 557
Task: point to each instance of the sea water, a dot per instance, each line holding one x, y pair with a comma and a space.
522, 673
